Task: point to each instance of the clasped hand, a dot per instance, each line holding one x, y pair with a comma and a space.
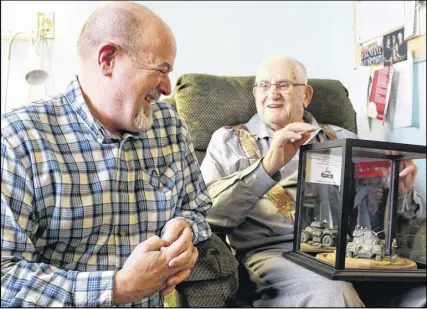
157, 264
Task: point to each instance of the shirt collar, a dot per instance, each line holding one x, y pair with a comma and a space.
261, 130
75, 97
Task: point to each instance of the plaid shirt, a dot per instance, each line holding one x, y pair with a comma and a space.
76, 200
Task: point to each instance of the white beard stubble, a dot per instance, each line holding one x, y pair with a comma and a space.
144, 120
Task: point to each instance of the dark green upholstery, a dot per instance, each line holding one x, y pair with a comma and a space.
213, 282
208, 102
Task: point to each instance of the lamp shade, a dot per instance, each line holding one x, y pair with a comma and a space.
35, 75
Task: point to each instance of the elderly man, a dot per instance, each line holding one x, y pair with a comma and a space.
239, 180
102, 198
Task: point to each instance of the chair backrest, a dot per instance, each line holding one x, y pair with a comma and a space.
208, 102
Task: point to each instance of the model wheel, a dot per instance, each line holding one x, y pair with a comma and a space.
378, 258
327, 240
349, 254
304, 236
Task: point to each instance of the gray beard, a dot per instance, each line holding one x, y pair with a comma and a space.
144, 121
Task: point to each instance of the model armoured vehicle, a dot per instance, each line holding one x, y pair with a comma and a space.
366, 244
319, 233
327, 173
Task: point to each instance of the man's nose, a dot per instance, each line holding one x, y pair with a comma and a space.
165, 85
273, 92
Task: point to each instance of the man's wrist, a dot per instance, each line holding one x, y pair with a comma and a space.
407, 194
119, 290
274, 160
259, 181
268, 168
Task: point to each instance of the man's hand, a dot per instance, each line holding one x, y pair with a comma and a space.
285, 145
149, 269
179, 234
182, 275
407, 176
174, 228
144, 273
408, 172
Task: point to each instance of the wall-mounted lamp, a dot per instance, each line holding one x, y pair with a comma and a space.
35, 75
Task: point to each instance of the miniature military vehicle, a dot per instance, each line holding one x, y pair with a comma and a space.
327, 173
319, 233
366, 244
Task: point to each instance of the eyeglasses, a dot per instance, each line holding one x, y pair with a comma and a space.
283, 86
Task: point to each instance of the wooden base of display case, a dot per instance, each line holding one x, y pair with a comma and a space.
361, 273
398, 263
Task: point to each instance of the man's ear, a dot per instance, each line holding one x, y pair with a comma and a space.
308, 94
253, 92
106, 55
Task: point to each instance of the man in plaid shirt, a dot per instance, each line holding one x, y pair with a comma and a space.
102, 199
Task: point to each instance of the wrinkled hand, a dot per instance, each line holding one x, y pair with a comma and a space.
144, 273
179, 234
285, 145
408, 172
174, 228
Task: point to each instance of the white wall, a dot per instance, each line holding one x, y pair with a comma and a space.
60, 56
232, 38
224, 38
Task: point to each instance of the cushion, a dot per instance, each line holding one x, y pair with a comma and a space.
208, 102
213, 282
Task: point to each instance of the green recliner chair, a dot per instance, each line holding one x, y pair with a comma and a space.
206, 103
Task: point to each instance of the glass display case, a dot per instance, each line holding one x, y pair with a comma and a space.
356, 218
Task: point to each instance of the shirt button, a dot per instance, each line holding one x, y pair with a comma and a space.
123, 233
122, 186
254, 176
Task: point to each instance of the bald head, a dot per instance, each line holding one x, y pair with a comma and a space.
296, 69
127, 24
284, 103
126, 53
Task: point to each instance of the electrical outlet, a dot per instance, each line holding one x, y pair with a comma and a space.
46, 24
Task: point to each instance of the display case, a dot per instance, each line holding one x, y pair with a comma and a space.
356, 218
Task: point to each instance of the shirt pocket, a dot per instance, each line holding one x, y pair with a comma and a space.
159, 192
167, 181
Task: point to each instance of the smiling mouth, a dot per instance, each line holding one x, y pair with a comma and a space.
275, 105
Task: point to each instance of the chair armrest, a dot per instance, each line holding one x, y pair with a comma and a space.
213, 282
